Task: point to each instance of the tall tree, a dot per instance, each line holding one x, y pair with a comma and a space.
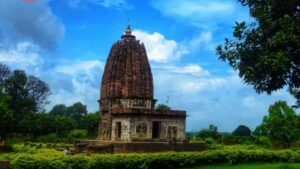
28, 93
90, 122
281, 124
266, 52
6, 115
76, 111
24, 95
59, 109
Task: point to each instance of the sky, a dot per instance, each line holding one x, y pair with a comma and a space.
66, 43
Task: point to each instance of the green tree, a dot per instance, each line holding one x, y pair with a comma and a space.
44, 123
58, 110
281, 124
242, 130
266, 52
22, 95
90, 122
28, 93
6, 115
163, 107
212, 132
76, 111
64, 124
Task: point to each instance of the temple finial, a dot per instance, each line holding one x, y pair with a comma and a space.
128, 29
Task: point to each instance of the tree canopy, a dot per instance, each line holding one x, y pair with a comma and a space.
21, 96
242, 130
280, 125
266, 52
163, 107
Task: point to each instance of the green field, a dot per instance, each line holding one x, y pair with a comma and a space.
252, 166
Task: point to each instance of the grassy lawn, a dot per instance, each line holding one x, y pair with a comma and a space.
252, 166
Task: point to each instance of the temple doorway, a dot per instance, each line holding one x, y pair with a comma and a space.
155, 129
118, 130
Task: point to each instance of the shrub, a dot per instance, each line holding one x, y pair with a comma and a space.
50, 138
51, 159
264, 141
77, 134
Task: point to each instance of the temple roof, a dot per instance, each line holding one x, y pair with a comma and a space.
127, 72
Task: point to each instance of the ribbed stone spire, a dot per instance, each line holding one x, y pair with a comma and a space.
127, 72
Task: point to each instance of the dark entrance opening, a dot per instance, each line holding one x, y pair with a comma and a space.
155, 129
118, 129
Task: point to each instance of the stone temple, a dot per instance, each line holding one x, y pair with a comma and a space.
127, 104
129, 121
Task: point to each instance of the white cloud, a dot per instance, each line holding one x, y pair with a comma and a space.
221, 100
79, 81
202, 41
35, 22
160, 49
250, 102
200, 13
116, 4
192, 69
83, 67
22, 53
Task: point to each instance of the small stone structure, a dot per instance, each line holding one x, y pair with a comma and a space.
4, 164
127, 105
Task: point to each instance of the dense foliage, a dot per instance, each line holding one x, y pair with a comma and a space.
279, 129
266, 52
22, 98
51, 159
281, 125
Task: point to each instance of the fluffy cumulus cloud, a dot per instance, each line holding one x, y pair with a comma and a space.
77, 81
26, 38
208, 98
22, 21
23, 53
189, 69
160, 49
163, 50
204, 14
115, 4
221, 100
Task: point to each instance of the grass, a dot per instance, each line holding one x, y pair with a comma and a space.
252, 166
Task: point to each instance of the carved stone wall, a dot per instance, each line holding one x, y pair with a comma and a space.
139, 128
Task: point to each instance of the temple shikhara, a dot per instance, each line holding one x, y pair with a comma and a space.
127, 104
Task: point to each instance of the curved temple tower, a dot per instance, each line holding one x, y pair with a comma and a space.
127, 105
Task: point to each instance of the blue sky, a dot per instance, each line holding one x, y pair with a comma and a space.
66, 44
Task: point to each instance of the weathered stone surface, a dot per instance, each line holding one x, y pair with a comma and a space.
127, 102
127, 73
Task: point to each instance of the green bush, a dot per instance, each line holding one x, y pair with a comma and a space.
6, 148
264, 141
77, 134
51, 159
49, 138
